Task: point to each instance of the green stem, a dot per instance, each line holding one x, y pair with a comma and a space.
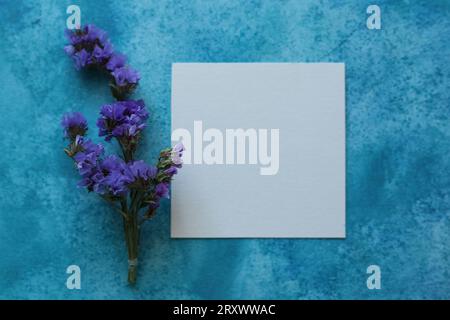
131, 227
132, 236
127, 154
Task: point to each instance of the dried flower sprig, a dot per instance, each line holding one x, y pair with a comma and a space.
133, 187
90, 47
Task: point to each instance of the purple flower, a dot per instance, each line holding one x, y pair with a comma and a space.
74, 37
88, 46
74, 124
86, 160
169, 162
82, 58
171, 171
112, 163
88, 155
122, 119
177, 153
69, 49
116, 61
89, 147
115, 177
102, 54
141, 170
131, 185
162, 190
116, 183
110, 176
125, 75
91, 33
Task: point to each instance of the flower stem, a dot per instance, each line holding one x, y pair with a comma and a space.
132, 236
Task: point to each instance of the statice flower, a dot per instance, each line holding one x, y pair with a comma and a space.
125, 80
134, 188
153, 200
162, 190
125, 75
141, 171
170, 160
168, 165
123, 120
88, 151
176, 154
88, 46
74, 124
86, 160
171, 171
116, 177
82, 59
102, 54
116, 61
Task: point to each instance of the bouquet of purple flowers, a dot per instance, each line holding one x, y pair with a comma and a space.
133, 187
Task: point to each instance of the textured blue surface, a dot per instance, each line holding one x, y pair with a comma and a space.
398, 192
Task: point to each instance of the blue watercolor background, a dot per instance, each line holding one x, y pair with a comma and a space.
398, 192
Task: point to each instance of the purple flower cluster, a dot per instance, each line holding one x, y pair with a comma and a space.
74, 124
161, 191
124, 76
87, 156
90, 46
177, 154
133, 184
110, 176
168, 165
123, 120
140, 171
113, 177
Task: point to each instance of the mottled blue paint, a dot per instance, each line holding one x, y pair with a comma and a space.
398, 192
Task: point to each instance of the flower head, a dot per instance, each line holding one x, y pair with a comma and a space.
125, 75
88, 46
171, 171
86, 160
74, 124
176, 154
116, 177
139, 170
122, 119
102, 54
162, 190
169, 162
112, 177
108, 176
82, 59
124, 81
91, 33
116, 61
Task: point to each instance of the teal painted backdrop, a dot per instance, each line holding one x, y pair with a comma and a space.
398, 192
